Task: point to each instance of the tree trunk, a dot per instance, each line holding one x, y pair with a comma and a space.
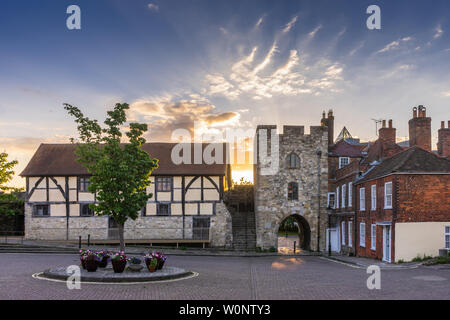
121, 236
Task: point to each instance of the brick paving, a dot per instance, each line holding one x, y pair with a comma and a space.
230, 278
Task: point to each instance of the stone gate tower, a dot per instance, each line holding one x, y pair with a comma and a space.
291, 178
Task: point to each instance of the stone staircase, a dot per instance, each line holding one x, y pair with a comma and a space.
244, 231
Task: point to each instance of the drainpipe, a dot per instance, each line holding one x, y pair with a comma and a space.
319, 155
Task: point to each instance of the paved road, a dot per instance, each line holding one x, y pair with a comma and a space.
230, 278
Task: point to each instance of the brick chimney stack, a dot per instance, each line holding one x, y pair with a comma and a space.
387, 135
443, 144
420, 129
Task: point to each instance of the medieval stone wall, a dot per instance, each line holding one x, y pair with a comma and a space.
271, 190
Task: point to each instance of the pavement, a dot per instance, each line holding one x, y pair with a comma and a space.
237, 278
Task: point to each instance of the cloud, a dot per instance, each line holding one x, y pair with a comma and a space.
166, 114
394, 45
438, 32
357, 48
259, 22
271, 77
446, 94
312, 34
290, 24
153, 7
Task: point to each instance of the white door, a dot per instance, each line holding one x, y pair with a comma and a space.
387, 243
333, 235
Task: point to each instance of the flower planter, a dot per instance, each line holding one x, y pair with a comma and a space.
135, 267
118, 266
91, 265
160, 264
83, 263
151, 268
103, 263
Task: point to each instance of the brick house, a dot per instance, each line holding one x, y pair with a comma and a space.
403, 207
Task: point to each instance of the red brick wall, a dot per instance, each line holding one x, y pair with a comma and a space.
423, 198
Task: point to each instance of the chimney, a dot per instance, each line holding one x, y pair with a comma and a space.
420, 129
330, 125
387, 135
443, 144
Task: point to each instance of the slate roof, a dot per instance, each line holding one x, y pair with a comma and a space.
344, 149
412, 160
60, 160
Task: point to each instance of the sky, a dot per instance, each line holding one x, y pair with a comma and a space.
224, 64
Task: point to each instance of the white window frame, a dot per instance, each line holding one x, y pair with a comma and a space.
362, 234
344, 192
373, 197
334, 200
362, 199
373, 237
337, 197
343, 232
386, 206
347, 162
447, 237
350, 234
350, 195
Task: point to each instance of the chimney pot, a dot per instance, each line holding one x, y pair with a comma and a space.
414, 112
390, 123
442, 124
384, 123
448, 124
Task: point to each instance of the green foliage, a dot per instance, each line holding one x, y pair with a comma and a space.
242, 182
120, 171
10, 204
288, 224
401, 261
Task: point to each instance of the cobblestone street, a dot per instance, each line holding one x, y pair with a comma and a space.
230, 278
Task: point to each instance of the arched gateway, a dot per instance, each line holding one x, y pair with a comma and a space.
283, 189
303, 240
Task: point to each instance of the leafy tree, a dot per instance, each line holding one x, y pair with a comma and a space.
120, 172
9, 203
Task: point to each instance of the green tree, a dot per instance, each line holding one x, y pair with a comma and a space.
9, 203
120, 172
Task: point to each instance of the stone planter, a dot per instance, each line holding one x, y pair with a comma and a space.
160, 264
135, 267
118, 266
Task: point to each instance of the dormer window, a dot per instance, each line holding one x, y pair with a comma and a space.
343, 161
293, 161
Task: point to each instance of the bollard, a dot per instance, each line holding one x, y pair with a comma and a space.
295, 242
79, 242
89, 240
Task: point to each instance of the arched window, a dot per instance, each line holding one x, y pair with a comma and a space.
293, 161
293, 191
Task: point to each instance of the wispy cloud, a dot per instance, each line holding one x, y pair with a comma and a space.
394, 45
446, 94
153, 7
259, 22
290, 24
438, 32
312, 34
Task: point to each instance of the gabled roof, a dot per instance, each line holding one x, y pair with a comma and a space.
344, 149
412, 160
60, 160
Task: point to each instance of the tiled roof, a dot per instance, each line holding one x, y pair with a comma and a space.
60, 160
344, 149
412, 160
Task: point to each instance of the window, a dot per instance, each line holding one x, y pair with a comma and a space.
83, 184
362, 234
373, 197
163, 183
350, 195
362, 199
373, 237
350, 234
41, 210
344, 186
293, 161
343, 232
337, 197
331, 200
144, 211
163, 209
447, 237
293, 191
85, 211
343, 161
388, 195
